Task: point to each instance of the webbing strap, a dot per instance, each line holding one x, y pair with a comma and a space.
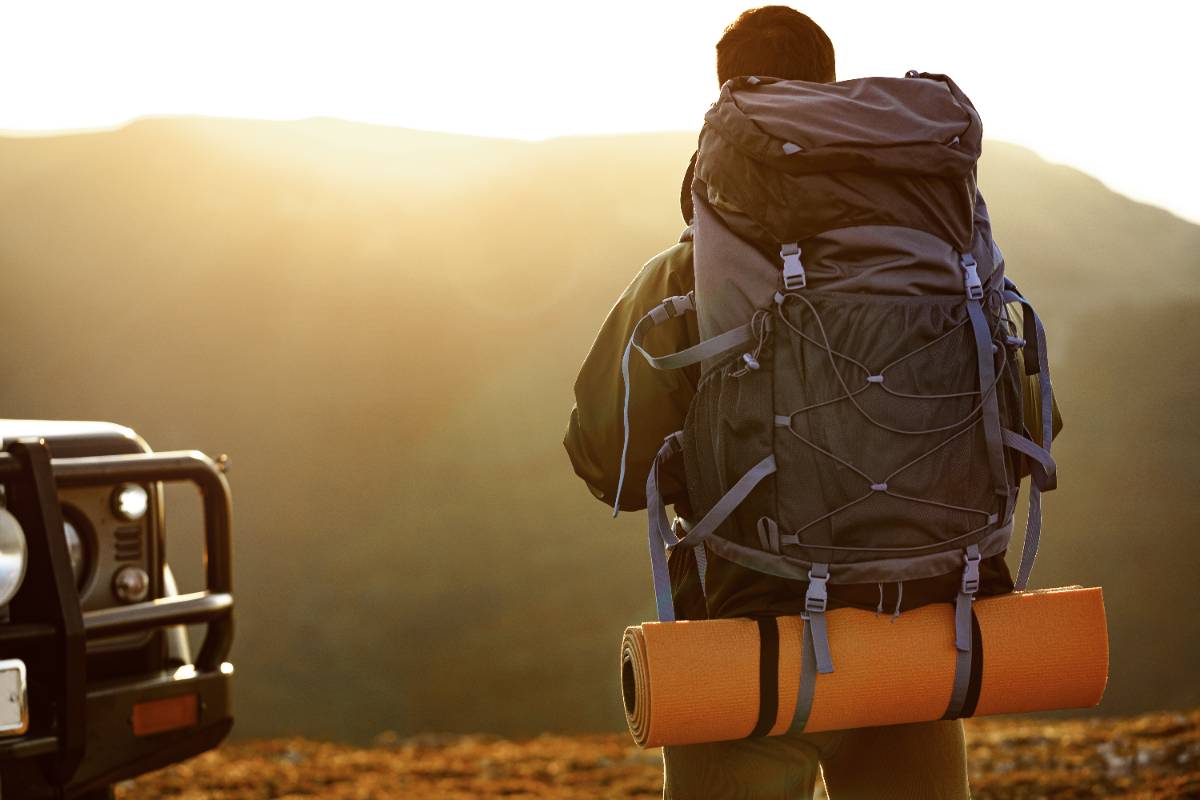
962, 677
816, 600
990, 408
808, 682
963, 615
768, 675
662, 538
1035, 336
1042, 469
708, 525
671, 307
663, 602
709, 348
819, 634
966, 593
968, 676
1033, 536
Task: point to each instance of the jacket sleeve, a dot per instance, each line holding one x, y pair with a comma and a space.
658, 399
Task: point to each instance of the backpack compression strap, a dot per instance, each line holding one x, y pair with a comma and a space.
963, 639
987, 379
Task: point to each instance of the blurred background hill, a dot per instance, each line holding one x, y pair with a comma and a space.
382, 327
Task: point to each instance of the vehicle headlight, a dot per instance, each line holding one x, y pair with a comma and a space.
12, 556
130, 501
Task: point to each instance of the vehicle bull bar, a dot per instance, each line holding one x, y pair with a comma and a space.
54, 615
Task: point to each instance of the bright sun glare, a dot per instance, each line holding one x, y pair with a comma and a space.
1098, 90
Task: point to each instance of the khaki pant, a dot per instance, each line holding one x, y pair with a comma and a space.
927, 760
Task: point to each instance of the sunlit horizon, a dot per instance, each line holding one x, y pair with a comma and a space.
1075, 84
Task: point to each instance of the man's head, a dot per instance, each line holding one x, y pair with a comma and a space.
776, 42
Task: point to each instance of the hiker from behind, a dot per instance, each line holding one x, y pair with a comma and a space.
862, 381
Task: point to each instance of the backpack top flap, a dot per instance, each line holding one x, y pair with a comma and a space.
895, 124
800, 158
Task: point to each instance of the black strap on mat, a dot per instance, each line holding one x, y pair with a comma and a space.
768, 675
973, 685
965, 698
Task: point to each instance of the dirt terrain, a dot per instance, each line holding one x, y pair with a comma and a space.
1152, 756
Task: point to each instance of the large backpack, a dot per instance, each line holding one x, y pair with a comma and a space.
858, 420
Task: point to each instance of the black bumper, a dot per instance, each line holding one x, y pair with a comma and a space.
81, 734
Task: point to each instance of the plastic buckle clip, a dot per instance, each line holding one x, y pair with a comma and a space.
678, 305
970, 580
971, 280
816, 599
793, 270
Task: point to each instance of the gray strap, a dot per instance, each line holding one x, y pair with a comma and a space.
962, 622
624, 423
661, 576
962, 630
661, 537
768, 534
816, 600
966, 593
808, 682
708, 525
655, 506
1043, 470
709, 348
674, 306
962, 680
990, 408
1035, 335
1033, 536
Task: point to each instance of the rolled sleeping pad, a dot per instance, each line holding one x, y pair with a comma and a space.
708, 680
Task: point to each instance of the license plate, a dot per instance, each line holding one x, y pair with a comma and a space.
14, 710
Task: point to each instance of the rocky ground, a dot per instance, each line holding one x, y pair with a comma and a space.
1152, 756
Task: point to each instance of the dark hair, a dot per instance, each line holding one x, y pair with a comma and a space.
776, 42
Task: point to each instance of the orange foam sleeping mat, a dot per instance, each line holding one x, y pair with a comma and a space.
716, 680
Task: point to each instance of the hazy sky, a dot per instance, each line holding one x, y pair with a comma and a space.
1108, 88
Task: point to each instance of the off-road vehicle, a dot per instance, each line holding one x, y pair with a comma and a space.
97, 681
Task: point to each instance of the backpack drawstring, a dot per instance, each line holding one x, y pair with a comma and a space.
760, 328
899, 597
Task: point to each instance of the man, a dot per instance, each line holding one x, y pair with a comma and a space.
925, 760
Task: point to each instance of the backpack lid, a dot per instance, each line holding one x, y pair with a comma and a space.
782, 161
923, 126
